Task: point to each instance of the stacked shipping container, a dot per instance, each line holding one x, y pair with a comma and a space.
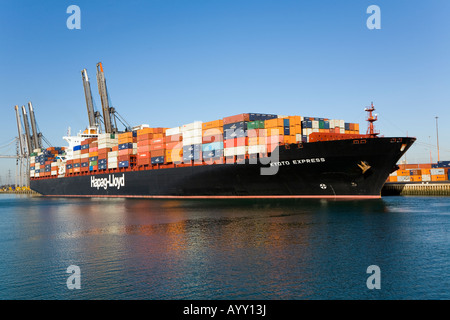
420, 172
46, 162
228, 140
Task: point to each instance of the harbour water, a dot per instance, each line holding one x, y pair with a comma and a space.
246, 250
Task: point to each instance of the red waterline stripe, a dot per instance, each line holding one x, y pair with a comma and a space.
222, 197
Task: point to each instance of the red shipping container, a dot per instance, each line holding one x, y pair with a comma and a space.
236, 118
242, 141
145, 148
123, 158
171, 145
157, 147
229, 143
257, 133
144, 155
143, 143
125, 152
173, 138
212, 138
143, 161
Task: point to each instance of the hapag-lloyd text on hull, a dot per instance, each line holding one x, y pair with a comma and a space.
111, 182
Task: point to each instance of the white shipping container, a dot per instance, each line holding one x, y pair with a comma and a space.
403, 178
241, 150
191, 126
315, 124
172, 131
84, 155
113, 154
342, 130
227, 152
437, 171
112, 159
393, 173
298, 137
192, 140
112, 165
260, 148
426, 177
341, 123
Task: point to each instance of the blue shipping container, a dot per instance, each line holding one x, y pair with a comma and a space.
156, 160
212, 146
76, 148
124, 164
230, 133
128, 145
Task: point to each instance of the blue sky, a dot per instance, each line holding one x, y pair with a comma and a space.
175, 61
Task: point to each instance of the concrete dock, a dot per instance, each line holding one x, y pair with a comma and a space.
416, 189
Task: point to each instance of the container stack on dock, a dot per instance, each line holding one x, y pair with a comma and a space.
421, 172
228, 140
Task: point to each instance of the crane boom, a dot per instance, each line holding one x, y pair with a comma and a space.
26, 125
36, 137
19, 130
101, 81
88, 96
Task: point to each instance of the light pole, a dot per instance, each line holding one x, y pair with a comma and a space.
437, 137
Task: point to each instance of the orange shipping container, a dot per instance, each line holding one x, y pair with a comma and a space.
275, 131
273, 123
177, 155
402, 172
416, 178
144, 136
212, 124
158, 153
144, 131
438, 177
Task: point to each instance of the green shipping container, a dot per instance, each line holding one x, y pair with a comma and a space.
92, 163
321, 124
257, 124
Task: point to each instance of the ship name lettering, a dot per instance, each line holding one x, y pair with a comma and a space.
310, 160
105, 183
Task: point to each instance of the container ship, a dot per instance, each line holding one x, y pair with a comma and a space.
248, 155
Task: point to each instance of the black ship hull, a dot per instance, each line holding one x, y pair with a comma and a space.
328, 169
